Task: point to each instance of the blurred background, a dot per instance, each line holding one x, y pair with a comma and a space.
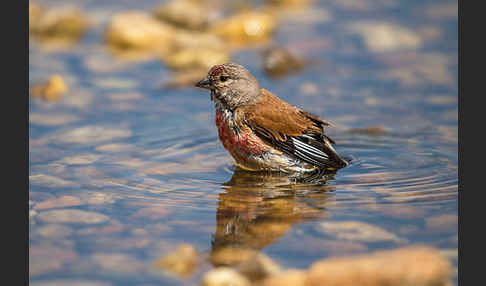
129, 184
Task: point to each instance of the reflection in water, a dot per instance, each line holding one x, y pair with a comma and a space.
258, 208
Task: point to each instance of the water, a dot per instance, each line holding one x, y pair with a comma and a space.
148, 160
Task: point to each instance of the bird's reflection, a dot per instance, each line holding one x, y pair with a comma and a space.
256, 209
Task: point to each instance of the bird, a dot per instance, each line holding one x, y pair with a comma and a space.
263, 132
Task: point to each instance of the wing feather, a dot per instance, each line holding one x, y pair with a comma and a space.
292, 130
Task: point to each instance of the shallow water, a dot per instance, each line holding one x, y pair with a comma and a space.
145, 167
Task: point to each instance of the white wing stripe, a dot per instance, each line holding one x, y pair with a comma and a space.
314, 151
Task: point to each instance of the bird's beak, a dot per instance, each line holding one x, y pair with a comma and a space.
204, 83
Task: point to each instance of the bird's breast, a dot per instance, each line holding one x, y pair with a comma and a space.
239, 141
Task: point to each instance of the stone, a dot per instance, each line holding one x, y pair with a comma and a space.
49, 181
92, 134
258, 267
413, 265
382, 37
246, 27
280, 61
60, 202
118, 263
196, 58
224, 276
182, 261
187, 14
53, 89
138, 30
64, 23
372, 130
357, 231
54, 231
72, 216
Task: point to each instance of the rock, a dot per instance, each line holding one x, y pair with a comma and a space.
188, 14
224, 276
245, 27
83, 159
65, 23
372, 130
92, 134
54, 231
52, 90
137, 30
45, 259
290, 277
197, 58
414, 265
386, 37
118, 263
72, 216
60, 202
279, 61
151, 213
115, 147
52, 119
358, 231
50, 181
258, 267
182, 262
442, 223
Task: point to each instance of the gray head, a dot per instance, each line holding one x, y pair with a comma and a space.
231, 84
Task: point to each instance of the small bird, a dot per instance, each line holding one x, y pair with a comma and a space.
263, 132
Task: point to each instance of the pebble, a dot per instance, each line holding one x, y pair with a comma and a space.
52, 119
382, 37
118, 263
52, 90
72, 216
49, 181
60, 202
54, 231
224, 276
93, 134
138, 30
413, 265
182, 261
245, 27
357, 231
258, 267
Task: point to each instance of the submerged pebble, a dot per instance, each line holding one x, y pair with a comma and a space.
53, 89
357, 231
414, 265
372, 130
224, 276
246, 27
188, 14
279, 61
182, 261
138, 30
65, 23
60, 202
259, 267
72, 216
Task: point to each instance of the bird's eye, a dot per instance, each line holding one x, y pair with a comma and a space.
223, 78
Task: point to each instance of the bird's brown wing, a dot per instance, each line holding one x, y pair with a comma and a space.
291, 130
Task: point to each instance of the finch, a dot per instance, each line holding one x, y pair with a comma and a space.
263, 132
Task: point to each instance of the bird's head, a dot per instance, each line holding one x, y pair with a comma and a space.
231, 85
